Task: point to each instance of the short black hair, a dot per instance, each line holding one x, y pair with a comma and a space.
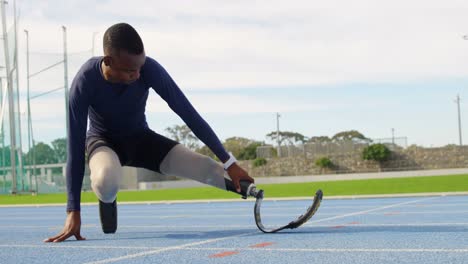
122, 36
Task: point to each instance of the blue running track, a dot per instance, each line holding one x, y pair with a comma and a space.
390, 230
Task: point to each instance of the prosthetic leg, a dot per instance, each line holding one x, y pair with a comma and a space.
182, 162
249, 189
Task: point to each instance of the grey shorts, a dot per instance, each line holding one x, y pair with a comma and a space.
144, 149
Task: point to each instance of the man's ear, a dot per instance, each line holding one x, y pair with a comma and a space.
107, 60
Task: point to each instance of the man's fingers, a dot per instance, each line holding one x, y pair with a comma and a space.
50, 239
63, 237
250, 179
79, 237
236, 184
246, 177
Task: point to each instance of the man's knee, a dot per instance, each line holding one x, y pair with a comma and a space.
105, 183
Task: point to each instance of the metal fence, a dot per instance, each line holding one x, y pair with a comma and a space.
328, 148
47, 178
10, 119
45, 94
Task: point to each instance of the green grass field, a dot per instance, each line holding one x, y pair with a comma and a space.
448, 183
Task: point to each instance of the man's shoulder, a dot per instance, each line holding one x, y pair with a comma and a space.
89, 69
151, 64
152, 72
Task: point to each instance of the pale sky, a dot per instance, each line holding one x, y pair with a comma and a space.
326, 67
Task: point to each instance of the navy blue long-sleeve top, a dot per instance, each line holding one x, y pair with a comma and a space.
117, 110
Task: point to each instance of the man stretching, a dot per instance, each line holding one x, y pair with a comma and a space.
112, 91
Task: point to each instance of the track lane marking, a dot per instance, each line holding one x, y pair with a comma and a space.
157, 251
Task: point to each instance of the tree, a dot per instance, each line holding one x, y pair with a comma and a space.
351, 135
184, 135
323, 163
44, 154
5, 156
241, 147
236, 145
204, 150
60, 149
287, 136
258, 162
319, 140
250, 152
377, 152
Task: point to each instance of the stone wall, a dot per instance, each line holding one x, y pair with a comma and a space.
411, 158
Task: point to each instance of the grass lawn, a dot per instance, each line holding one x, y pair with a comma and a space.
448, 183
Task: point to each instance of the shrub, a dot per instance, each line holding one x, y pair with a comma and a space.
376, 152
249, 152
274, 152
259, 162
323, 162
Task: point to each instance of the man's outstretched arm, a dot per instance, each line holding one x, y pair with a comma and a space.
78, 118
178, 102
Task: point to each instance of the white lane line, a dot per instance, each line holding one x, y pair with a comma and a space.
162, 211
28, 226
162, 217
400, 250
42, 226
229, 227
237, 200
171, 213
271, 212
424, 212
403, 225
64, 246
396, 225
173, 216
244, 209
151, 252
188, 248
372, 210
441, 205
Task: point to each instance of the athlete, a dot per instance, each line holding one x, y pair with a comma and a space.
112, 91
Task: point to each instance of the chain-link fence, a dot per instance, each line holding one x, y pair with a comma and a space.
45, 178
10, 119
44, 99
328, 148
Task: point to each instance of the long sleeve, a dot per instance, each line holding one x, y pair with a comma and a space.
78, 117
165, 86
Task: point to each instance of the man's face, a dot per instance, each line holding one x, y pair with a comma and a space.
124, 67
